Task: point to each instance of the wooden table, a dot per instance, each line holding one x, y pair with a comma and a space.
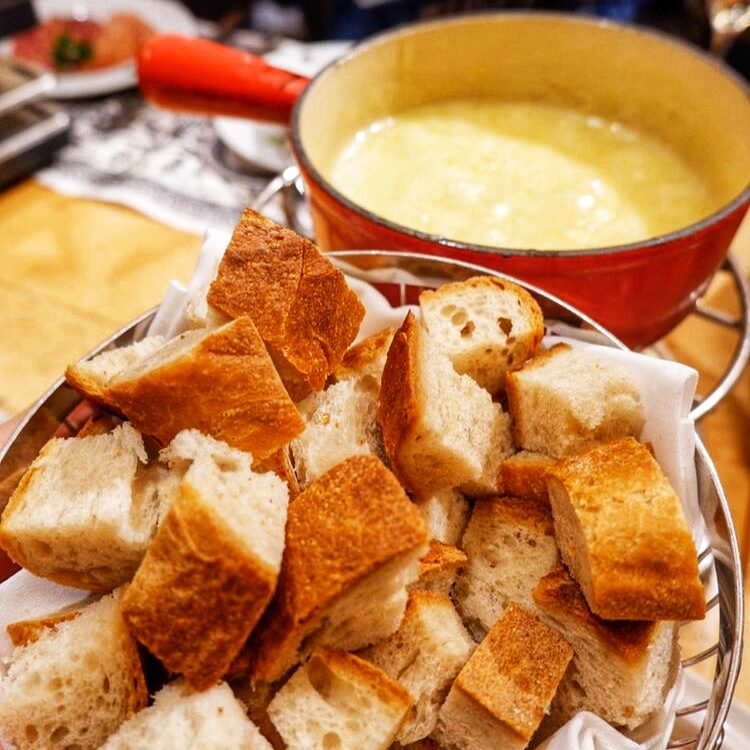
71, 271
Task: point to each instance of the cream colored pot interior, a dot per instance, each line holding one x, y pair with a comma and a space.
638, 78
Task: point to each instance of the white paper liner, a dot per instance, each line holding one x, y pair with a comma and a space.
666, 390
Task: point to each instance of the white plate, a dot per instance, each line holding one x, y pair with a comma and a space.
164, 16
264, 145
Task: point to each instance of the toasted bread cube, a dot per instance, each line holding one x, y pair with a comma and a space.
337, 700
212, 567
438, 568
446, 513
486, 325
623, 534
523, 475
300, 302
353, 544
501, 695
340, 422
565, 399
182, 718
424, 655
74, 683
440, 428
81, 515
622, 670
509, 545
219, 381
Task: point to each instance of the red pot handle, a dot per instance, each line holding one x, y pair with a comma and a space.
196, 75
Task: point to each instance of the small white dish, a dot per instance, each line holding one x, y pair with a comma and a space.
164, 16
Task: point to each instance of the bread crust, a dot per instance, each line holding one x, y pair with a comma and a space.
398, 411
23, 632
633, 554
225, 385
523, 475
558, 595
198, 593
301, 304
342, 527
439, 559
514, 673
365, 358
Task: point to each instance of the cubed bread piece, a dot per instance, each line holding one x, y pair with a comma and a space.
446, 513
486, 325
78, 516
304, 310
366, 359
510, 544
424, 655
212, 567
337, 700
565, 399
501, 695
523, 475
182, 719
91, 377
74, 684
220, 381
353, 543
623, 534
341, 421
622, 670
440, 428
99, 423
438, 568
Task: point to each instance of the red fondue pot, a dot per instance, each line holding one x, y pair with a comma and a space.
638, 291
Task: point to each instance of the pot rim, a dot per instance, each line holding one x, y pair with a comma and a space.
714, 218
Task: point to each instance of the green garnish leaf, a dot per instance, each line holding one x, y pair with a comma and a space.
68, 52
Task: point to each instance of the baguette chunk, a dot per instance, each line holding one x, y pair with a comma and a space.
219, 381
181, 719
81, 516
440, 428
523, 475
424, 655
438, 568
622, 670
301, 304
486, 325
501, 695
74, 684
566, 399
337, 700
353, 543
91, 377
509, 544
623, 534
212, 567
366, 360
446, 513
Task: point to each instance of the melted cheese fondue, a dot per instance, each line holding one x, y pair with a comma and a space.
520, 174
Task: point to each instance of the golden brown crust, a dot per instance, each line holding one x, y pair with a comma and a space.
559, 596
301, 303
23, 632
198, 593
342, 527
638, 560
513, 387
514, 511
363, 358
353, 668
138, 697
514, 673
398, 409
439, 559
522, 475
225, 386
